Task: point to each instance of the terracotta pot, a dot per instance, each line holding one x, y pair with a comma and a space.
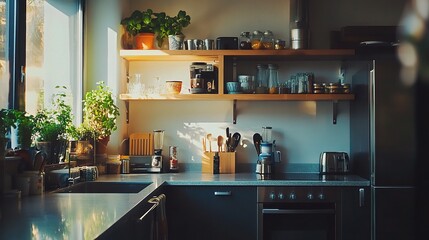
101, 145
145, 40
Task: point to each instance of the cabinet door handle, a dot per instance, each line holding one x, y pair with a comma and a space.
155, 201
225, 193
361, 197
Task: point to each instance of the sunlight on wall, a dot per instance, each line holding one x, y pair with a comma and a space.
112, 60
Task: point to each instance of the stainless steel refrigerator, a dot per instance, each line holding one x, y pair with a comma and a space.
383, 145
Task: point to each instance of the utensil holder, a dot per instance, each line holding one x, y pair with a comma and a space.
227, 162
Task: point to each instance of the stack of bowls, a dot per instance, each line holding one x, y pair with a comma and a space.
247, 83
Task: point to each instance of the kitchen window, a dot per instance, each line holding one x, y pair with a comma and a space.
40, 53
4, 63
53, 52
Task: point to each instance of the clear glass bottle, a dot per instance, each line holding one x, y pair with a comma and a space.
245, 40
268, 40
302, 83
273, 78
256, 40
261, 78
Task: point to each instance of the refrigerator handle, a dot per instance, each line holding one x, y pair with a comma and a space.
361, 197
372, 119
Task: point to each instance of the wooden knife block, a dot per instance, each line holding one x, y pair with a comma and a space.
226, 162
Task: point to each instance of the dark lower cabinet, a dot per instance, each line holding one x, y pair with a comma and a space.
131, 227
211, 212
356, 213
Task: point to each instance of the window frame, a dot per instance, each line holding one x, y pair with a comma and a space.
17, 54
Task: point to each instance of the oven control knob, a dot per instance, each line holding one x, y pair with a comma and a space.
310, 196
272, 196
281, 196
292, 196
321, 196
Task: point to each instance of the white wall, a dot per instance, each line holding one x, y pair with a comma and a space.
302, 129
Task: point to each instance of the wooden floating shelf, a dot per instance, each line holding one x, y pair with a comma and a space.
242, 97
186, 55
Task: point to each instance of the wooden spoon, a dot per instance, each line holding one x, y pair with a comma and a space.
219, 143
209, 139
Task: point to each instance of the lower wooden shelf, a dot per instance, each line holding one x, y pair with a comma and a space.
242, 97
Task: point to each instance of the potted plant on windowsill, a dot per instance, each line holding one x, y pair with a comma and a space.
172, 28
142, 25
26, 124
53, 126
7, 121
99, 115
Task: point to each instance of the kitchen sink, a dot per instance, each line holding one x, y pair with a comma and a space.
104, 187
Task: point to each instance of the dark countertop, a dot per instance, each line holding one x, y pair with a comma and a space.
86, 216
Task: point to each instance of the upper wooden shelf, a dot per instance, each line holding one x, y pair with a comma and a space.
245, 97
175, 55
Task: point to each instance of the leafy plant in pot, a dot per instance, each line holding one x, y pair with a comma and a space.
172, 28
142, 25
82, 143
26, 124
53, 127
7, 121
99, 115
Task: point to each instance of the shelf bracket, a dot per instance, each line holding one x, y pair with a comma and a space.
127, 111
334, 112
234, 112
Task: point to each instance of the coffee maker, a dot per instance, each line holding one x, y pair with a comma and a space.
158, 142
204, 78
268, 155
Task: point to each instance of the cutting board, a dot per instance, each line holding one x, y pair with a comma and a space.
141, 144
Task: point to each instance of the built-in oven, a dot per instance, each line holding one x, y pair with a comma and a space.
302, 213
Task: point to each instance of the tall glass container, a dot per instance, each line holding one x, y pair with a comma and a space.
267, 134
273, 78
261, 78
158, 141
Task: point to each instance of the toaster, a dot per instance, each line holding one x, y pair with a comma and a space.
334, 163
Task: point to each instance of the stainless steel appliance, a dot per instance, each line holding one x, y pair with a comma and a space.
158, 143
146, 152
299, 213
383, 140
267, 154
334, 163
204, 78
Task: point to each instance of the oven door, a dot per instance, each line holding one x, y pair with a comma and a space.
295, 221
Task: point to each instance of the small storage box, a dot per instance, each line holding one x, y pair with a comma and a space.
226, 162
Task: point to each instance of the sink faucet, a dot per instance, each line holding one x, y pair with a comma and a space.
71, 180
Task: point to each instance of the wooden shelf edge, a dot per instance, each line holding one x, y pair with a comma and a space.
241, 97
139, 55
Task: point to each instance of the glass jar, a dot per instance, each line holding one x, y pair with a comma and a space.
280, 44
268, 40
256, 40
273, 78
174, 163
261, 78
245, 40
